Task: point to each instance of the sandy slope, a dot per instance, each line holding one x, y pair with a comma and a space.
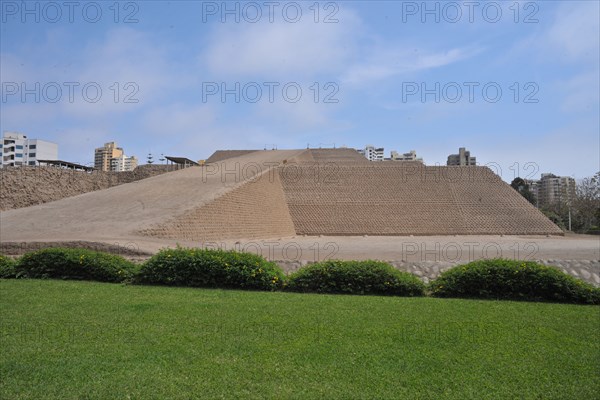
123, 210
115, 216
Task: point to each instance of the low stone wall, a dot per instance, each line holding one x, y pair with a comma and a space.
586, 270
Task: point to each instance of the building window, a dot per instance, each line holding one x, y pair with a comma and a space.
19, 155
31, 154
33, 146
19, 147
31, 162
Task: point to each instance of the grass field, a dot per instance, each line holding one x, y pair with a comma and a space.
85, 340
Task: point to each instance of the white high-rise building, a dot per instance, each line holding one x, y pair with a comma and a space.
17, 150
372, 153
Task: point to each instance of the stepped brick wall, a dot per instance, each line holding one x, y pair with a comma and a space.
255, 209
407, 198
221, 155
28, 186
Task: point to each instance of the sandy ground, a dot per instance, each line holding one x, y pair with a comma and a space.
426, 248
413, 249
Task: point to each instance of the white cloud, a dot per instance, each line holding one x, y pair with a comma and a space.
174, 121
575, 34
300, 116
282, 50
559, 151
131, 59
571, 40
390, 61
582, 92
122, 71
571, 35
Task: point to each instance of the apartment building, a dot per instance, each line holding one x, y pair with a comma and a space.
110, 157
123, 163
103, 156
462, 158
18, 150
552, 189
410, 156
372, 153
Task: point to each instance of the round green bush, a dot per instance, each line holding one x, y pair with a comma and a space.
355, 277
7, 267
78, 264
210, 268
513, 280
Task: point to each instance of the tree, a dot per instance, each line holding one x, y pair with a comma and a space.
586, 205
522, 187
555, 217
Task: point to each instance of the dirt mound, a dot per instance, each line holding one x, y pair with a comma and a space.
272, 194
123, 211
28, 186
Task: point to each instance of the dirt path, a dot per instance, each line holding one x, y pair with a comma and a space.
312, 248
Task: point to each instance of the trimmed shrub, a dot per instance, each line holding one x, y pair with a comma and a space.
210, 268
77, 264
513, 280
7, 267
355, 277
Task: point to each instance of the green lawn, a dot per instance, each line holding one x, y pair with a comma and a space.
85, 340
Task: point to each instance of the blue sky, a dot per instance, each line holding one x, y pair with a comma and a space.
517, 83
